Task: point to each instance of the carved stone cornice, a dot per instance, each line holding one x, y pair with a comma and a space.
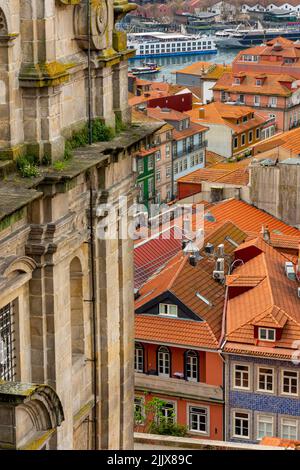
99, 24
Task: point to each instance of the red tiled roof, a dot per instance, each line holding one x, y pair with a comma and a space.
193, 129
162, 330
270, 301
272, 84
184, 281
152, 254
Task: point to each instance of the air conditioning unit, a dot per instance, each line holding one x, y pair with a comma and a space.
219, 275
219, 272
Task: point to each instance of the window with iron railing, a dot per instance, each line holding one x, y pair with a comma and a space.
7, 343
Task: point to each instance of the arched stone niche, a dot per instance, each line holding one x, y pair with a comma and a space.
26, 412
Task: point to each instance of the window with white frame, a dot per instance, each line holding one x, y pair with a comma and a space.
243, 139
265, 426
290, 382
191, 366
157, 175
267, 334
265, 379
176, 168
250, 137
139, 358
256, 100
168, 413
139, 410
163, 358
140, 166
258, 82
150, 162
198, 419
150, 187
168, 151
168, 172
7, 343
168, 309
273, 101
241, 376
235, 143
289, 428
257, 133
158, 155
241, 424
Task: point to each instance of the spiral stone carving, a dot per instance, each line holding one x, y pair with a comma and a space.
99, 22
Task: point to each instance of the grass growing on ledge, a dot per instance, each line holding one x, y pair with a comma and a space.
60, 165
27, 166
100, 133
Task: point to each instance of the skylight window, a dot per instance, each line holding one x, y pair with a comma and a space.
209, 217
204, 299
232, 242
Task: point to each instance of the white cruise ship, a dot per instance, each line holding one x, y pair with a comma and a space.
157, 44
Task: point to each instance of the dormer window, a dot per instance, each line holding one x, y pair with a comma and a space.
267, 334
168, 309
237, 81
258, 82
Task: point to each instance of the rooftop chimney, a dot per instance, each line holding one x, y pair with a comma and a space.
201, 113
266, 234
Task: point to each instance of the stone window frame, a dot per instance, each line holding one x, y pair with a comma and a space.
241, 363
281, 392
143, 413
192, 431
250, 415
263, 413
256, 378
281, 417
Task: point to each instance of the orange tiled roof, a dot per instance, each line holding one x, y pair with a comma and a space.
289, 140
272, 85
212, 158
183, 280
289, 49
248, 218
271, 301
186, 333
147, 96
278, 442
192, 129
197, 68
166, 113
227, 115
228, 173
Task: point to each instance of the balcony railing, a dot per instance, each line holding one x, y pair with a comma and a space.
191, 148
178, 387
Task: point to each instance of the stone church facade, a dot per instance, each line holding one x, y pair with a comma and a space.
66, 294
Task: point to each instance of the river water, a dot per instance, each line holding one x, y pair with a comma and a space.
171, 64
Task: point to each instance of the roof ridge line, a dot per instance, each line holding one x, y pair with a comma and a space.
181, 264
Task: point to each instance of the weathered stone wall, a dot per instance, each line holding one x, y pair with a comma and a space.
46, 271
44, 72
276, 189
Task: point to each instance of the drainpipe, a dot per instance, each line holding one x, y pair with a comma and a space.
90, 123
94, 311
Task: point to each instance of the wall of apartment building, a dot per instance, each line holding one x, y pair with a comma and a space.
181, 411
275, 189
272, 404
208, 93
163, 185
219, 139
267, 68
212, 192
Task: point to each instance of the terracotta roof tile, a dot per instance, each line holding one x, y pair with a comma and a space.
289, 140
227, 115
212, 158
270, 301
272, 85
186, 333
